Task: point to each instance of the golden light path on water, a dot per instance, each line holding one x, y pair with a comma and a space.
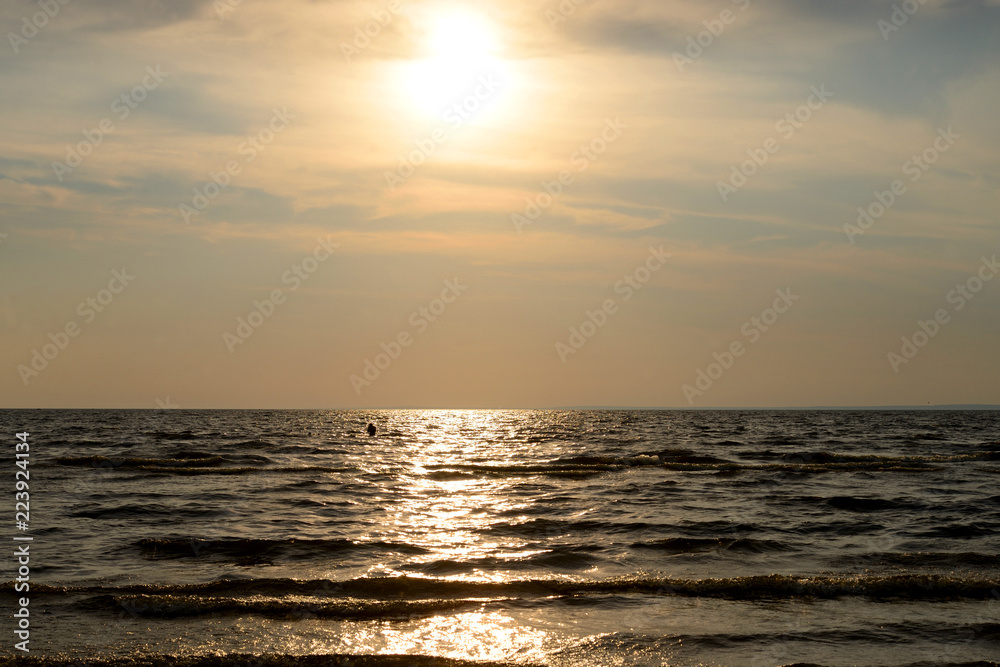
445, 516
487, 636
481, 636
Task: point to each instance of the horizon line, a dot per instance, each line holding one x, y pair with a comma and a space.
944, 406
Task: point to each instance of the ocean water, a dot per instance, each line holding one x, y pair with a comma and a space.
527, 537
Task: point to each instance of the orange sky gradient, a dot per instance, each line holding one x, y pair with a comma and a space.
620, 190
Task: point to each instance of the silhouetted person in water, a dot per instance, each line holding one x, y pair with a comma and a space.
371, 429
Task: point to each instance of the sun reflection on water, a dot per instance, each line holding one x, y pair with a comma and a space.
437, 504
486, 636
449, 488
443, 508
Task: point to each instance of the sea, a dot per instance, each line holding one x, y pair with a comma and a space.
516, 537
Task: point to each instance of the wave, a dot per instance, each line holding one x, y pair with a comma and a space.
178, 606
173, 435
259, 551
884, 633
753, 587
706, 540
267, 549
216, 465
643, 459
855, 504
554, 527
681, 545
694, 535
958, 530
136, 462
189, 463
147, 510
559, 558
940, 560
179, 460
694, 464
808, 457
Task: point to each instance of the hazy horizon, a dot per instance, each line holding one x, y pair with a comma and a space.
246, 203
568, 408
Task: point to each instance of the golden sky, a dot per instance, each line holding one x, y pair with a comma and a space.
522, 204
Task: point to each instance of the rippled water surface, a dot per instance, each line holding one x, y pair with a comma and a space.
535, 537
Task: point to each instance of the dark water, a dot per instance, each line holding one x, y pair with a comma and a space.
532, 537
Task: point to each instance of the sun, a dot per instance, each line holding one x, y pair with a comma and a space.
459, 51
461, 34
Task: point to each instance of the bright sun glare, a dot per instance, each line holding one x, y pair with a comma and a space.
460, 36
459, 48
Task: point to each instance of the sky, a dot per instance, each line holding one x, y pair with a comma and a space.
386, 203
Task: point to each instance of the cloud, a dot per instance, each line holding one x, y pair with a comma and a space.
136, 15
804, 43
